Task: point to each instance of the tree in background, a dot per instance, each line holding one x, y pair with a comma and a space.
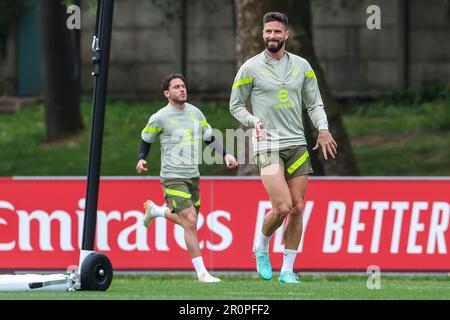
249, 42
248, 17
9, 11
61, 78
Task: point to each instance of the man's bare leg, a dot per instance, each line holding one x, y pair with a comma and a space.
153, 211
280, 196
275, 184
186, 218
294, 225
293, 229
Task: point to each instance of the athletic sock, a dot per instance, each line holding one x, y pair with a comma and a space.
158, 211
262, 243
288, 260
199, 266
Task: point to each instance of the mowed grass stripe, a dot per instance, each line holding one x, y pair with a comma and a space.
182, 287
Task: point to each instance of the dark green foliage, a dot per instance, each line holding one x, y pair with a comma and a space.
413, 142
413, 98
9, 12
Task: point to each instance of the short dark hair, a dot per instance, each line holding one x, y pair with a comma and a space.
275, 16
165, 83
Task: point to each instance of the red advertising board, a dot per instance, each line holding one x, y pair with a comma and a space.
349, 224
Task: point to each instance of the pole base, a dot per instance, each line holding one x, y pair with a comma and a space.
96, 272
35, 282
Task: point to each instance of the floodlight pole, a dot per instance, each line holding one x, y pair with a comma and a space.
101, 47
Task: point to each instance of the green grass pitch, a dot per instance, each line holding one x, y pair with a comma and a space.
249, 287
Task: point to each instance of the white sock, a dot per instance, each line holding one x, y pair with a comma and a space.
199, 266
262, 243
158, 211
288, 260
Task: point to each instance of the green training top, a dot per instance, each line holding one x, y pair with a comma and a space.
276, 89
181, 133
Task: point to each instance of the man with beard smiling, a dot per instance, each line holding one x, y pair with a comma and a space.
276, 82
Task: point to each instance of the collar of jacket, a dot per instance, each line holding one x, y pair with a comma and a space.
269, 60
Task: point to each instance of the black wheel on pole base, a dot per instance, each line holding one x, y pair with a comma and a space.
96, 272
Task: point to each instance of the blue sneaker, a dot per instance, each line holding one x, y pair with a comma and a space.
289, 277
263, 264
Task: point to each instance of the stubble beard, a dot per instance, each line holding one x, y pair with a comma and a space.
179, 100
274, 49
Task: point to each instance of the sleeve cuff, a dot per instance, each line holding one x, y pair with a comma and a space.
255, 121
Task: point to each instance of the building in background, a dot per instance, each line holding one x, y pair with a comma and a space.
196, 37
